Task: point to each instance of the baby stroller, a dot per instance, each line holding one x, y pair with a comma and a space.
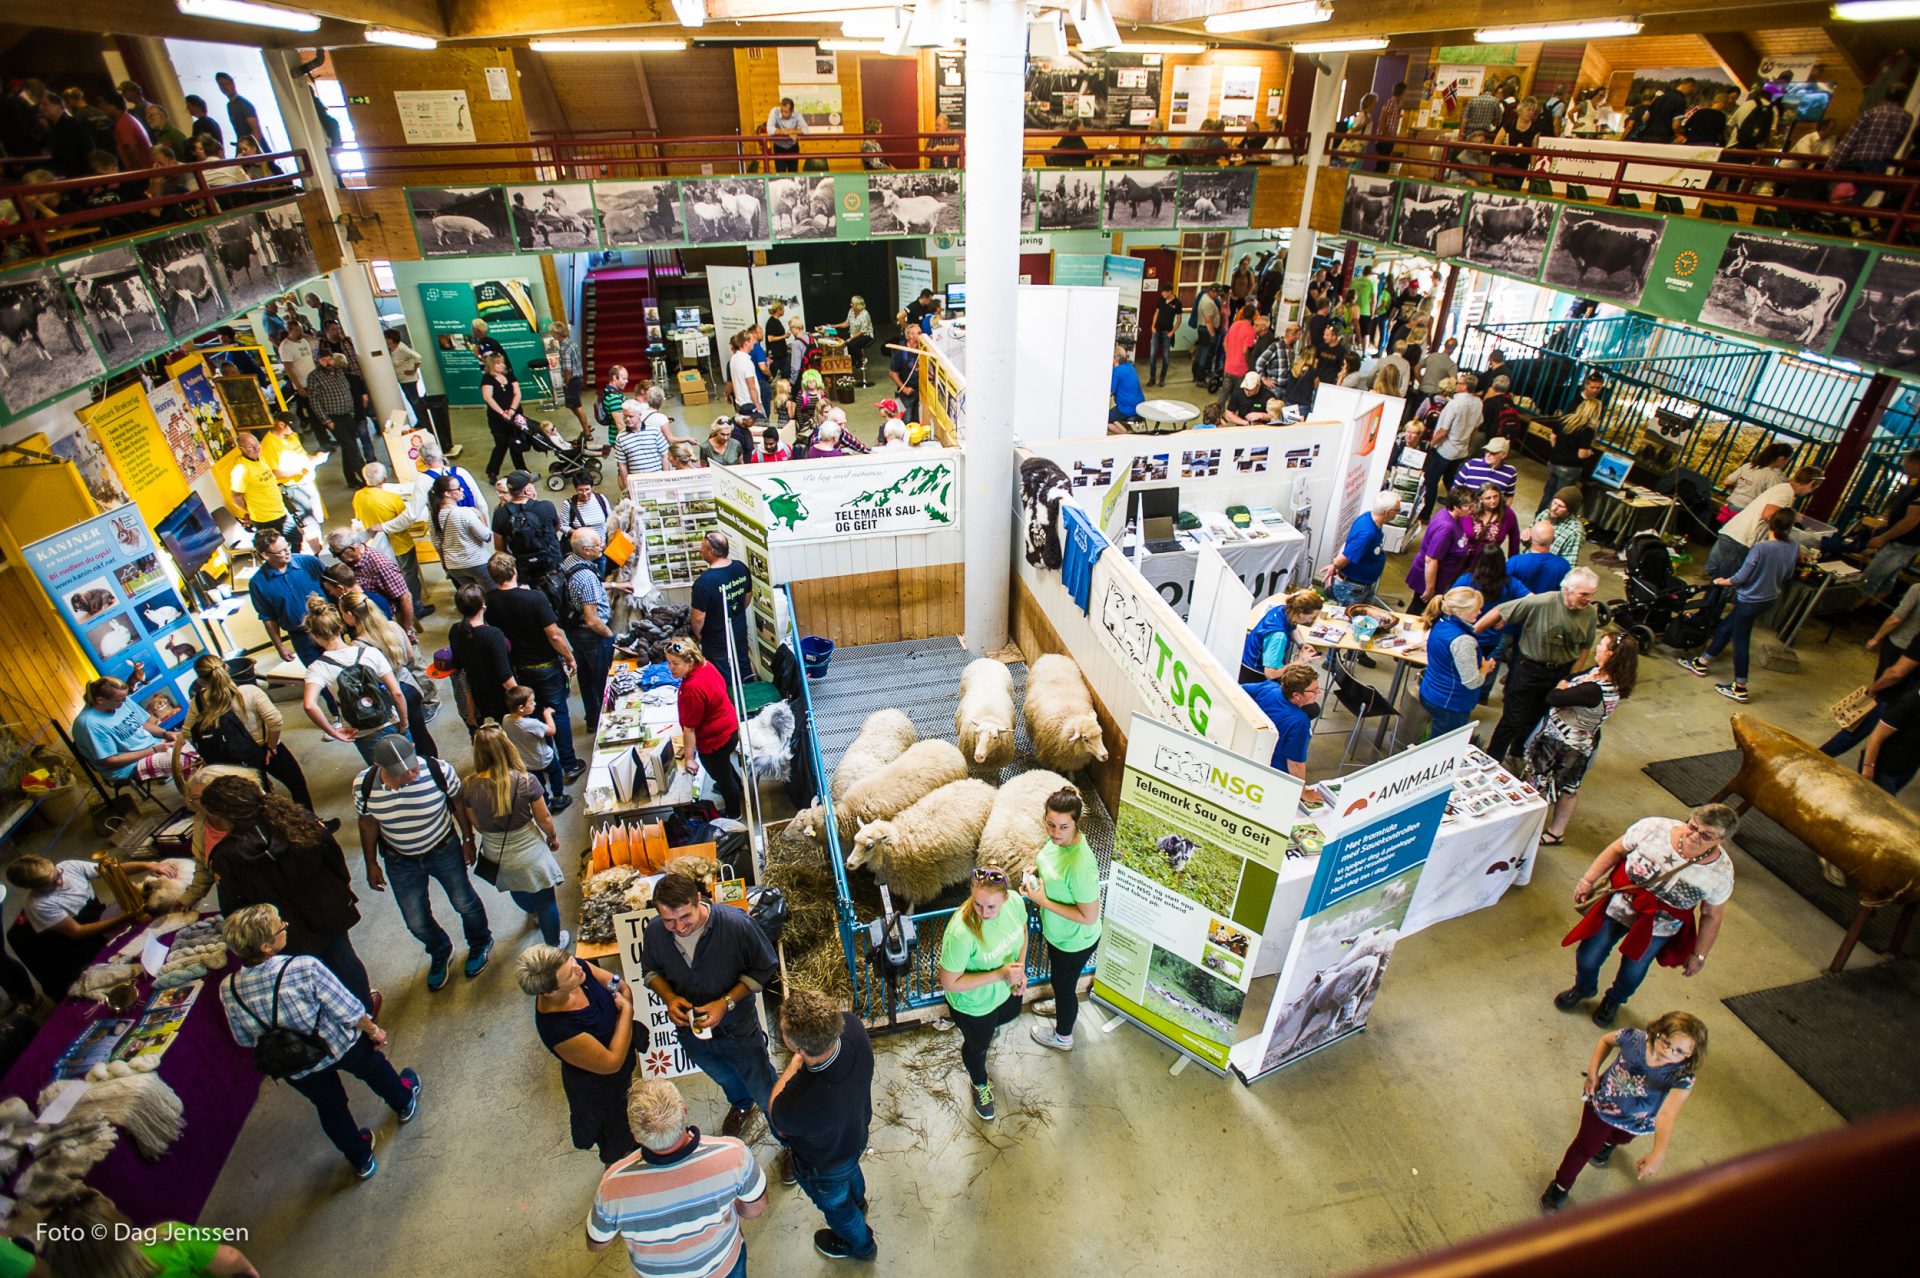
571, 462
1658, 602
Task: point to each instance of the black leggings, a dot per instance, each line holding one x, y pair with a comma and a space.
719, 765
506, 440
976, 1032
857, 352
1066, 966
285, 769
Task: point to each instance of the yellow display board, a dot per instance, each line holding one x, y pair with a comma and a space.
126, 428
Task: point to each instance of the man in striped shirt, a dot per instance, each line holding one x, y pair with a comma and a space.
678, 1203
407, 814
641, 448
1491, 468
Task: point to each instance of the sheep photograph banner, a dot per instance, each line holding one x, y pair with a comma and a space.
1200, 837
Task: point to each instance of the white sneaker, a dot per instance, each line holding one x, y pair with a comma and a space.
1043, 1034
1042, 1008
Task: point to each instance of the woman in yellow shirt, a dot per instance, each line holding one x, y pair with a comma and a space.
286, 456
983, 971
1065, 888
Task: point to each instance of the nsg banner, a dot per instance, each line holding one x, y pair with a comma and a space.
1200, 841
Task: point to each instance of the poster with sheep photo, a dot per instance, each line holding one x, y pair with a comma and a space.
1142, 199
1425, 211
180, 270
1508, 233
1884, 328
44, 350
1211, 199
1783, 290
725, 210
244, 258
120, 308
560, 217
293, 262
1070, 200
1603, 255
1366, 210
460, 221
640, 214
802, 207
915, 203
1200, 844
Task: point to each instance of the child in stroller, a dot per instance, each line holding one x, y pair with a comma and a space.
570, 461
1658, 603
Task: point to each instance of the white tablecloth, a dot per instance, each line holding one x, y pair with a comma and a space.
1264, 566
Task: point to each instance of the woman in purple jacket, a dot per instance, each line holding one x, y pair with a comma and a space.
1444, 549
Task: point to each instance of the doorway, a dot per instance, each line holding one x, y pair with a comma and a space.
1161, 264
890, 93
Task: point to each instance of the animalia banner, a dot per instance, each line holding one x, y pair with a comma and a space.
1200, 842
460, 221
117, 594
1377, 826
175, 417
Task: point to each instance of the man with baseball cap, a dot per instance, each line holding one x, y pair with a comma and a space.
1491, 468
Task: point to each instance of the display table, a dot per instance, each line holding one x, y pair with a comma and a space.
658, 718
1620, 514
1166, 415
1264, 559
217, 1085
1406, 647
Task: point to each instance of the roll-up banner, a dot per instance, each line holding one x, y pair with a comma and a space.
507, 307
779, 282
730, 290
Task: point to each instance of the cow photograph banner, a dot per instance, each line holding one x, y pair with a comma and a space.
181, 270
1508, 234
293, 262
1782, 290
120, 308
244, 259
1366, 210
1427, 209
1884, 326
1603, 254
47, 352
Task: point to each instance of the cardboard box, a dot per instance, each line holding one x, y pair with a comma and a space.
693, 388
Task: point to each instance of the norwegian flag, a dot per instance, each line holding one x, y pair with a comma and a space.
1450, 97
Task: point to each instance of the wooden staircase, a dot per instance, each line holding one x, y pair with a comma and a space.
613, 324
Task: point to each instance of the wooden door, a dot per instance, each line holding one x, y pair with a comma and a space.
1161, 265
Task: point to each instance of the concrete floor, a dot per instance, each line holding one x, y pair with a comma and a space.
1439, 1123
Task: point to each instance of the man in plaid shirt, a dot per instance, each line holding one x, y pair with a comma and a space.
300, 994
1872, 142
376, 573
1392, 115
330, 395
1481, 115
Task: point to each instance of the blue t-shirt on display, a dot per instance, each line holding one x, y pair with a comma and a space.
1365, 552
1539, 571
1294, 725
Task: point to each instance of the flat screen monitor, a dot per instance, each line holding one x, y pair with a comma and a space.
956, 297
1809, 101
686, 317
189, 534
1611, 470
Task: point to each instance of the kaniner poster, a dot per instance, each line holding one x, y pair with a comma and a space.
1199, 840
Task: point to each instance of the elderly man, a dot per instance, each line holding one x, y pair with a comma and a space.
822, 1110
1538, 568
272, 988
279, 591
1491, 468
721, 594
385, 513
641, 446
1354, 575
1124, 387
679, 1201
120, 737
375, 573
1556, 632
432, 463
589, 619
405, 801
708, 962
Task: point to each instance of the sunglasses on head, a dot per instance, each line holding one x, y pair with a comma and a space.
987, 874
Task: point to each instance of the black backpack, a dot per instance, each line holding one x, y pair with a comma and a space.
533, 543
427, 761
572, 616
281, 1051
226, 740
360, 695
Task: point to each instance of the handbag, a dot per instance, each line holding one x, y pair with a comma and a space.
487, 868
1852, 710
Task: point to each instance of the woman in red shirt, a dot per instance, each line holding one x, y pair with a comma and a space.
708, 726
1241, 335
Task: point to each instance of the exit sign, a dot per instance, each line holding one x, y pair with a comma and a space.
359, 99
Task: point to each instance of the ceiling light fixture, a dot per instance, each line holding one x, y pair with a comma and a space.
1600, 29
853, 46
253, 15
1356, 45
691, 13
1280, 15
399, 39
1047, 35
1093, 23
1876, 10
1191, 50
607, 46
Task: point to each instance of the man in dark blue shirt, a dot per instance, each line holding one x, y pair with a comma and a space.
279, 591
1285, 701
822, 1110
719, 597
1539, 569
1355, 572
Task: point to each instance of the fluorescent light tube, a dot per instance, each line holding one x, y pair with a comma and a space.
253, 15
607, 46
1876, 10
1598, 30
1356, 45
399, 39
1280, 15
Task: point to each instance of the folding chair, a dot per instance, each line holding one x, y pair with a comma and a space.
1719, 212
1540, 186
118, 796
1668, 204
1626, 199
1576, 192
1364, 702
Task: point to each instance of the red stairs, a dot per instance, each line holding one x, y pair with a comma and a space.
612, 323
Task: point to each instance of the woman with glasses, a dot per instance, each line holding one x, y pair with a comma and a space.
1639, 1095
709, 728
983, 972
1640, 894
1065, 888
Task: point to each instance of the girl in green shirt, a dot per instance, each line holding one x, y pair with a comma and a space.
1065, 888
983, 971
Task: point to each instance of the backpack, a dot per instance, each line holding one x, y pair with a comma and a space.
281, 1051
226, 740
427, 761
572, 615
360, 695
600, 413
533, 543
1193, 312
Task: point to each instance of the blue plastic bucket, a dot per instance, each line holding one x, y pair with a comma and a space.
815, 654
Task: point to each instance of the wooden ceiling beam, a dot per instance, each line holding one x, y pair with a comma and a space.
1408, 17
1735, 53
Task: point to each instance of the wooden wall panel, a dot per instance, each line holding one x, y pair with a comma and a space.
377, 72
882, 607
320, 232
41, 668
1276, 195
756, 83
391, 239
1329, 192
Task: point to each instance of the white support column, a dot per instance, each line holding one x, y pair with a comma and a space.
358, 314
996, 93
1320, 122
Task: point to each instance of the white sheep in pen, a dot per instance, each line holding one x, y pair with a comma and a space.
1060, 717
928, 847
883, 738
1016, 828
922, 769
984, 721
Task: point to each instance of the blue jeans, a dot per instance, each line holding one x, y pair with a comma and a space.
1888, 562
364, 742
549, 684
544, 908
739, 1065
1157, 357
1725, 558
1592, 953
323, 1087
408, 876
594, 655
1445, 721
838, 1192
1737, 626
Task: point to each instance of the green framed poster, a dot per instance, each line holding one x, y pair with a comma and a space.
1683, 271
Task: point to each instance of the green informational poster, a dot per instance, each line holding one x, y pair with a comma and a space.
507, 307
850, 195
1683, 270
1088, 269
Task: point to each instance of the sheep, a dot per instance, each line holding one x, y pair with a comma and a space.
1016, 829
984, 721
922, 769
1178, 849
883, 738
1060, 716
930, 845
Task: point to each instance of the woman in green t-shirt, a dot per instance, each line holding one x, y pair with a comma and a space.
983, 971
89, 1235
1065, 888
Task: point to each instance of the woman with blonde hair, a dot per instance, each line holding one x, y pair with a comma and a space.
1271, 644
709, 727
375, 629
1386, 380
501, 393
377, 711
1450, 687
235, 723
513, 830
983, 972
584, 1015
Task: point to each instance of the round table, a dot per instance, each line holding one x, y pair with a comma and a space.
1166, 414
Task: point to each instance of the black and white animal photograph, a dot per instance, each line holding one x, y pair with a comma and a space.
1367, 209
640, 214
180, 270
1603, 255
1508, 233
1216, 199
120, 308
460, 221
1884, 328
44, 349
1425, 211
1142, 198
557, 216
802, 207
914, 203
1070, 200
1338, 970
725, 210
1029, 199
1786, 290
243, 256
293, 262
1043, 486
1184, 860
